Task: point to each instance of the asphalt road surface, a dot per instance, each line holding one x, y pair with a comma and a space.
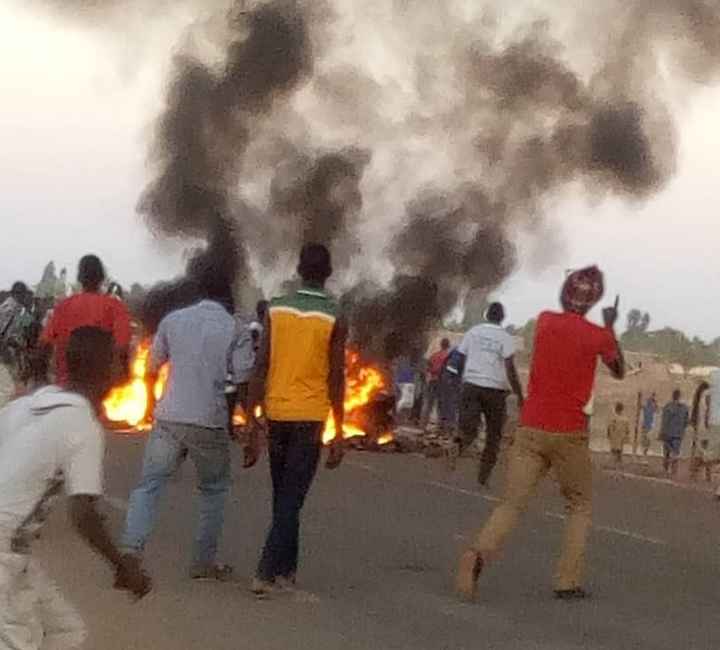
380, 540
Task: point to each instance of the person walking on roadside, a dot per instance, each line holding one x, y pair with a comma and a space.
674, 423
300, 378
89, 308
649, 411
618, 433
553, 432
488, 371
435, 366
195, 416
48, 440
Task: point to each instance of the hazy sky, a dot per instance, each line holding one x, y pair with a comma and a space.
74, 128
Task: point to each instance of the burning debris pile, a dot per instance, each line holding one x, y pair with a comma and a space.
368, 404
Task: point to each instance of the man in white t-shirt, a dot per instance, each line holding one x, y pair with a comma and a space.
488, 371
49, 439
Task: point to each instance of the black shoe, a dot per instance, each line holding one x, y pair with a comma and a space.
572, 594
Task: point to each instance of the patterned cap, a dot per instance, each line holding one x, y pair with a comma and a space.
582, 290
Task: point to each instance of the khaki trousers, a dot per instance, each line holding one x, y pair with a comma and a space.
532, 455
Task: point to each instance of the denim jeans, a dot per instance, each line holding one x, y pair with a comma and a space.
209, 450
294, 449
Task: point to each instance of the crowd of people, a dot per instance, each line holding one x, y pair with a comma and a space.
287, 371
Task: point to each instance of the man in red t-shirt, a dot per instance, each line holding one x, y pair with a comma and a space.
88, 309
553, 431
435, 366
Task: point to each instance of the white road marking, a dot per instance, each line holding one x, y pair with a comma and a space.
548, 513
470, 493
117, 504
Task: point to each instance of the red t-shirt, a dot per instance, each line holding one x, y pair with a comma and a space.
437, 361
85, 310
567, 347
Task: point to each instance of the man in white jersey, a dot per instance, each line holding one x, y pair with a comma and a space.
49, 439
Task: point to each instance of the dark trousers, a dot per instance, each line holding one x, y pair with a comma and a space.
294, 450
477, 402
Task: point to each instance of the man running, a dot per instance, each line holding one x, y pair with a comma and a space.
193, 416
300, 377
553, 433
90, 308
49, 439
488, 364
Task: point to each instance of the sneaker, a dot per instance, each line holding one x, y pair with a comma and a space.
578, 593
213, 573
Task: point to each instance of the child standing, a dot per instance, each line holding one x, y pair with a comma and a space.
618, 432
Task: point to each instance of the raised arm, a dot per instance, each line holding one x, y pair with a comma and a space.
613, 359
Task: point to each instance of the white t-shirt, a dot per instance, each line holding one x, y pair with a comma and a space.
486, 347
46, 438
714, 415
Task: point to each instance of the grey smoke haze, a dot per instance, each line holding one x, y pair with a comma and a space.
285, 141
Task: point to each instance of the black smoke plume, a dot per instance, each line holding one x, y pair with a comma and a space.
203, 134
419, 171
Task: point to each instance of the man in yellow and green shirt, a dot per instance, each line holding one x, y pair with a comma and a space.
299, 379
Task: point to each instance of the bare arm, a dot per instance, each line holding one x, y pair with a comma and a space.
514, 379
90, 525
617, 365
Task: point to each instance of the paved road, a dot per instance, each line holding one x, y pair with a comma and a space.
381, 538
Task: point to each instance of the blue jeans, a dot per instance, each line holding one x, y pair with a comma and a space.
294, 449
209, 450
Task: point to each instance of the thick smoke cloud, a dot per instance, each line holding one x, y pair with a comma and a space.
204, 132
416, 138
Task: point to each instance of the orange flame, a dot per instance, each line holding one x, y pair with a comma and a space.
129, 402
362, 383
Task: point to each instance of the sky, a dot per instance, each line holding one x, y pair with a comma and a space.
75, 121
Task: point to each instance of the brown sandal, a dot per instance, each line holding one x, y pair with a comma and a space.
469, 569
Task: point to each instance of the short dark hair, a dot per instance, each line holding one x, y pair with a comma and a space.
496, 313
213, 281
89, 356
19, 290
315, 264
619, 407
677, 394
91, 272
445, 343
